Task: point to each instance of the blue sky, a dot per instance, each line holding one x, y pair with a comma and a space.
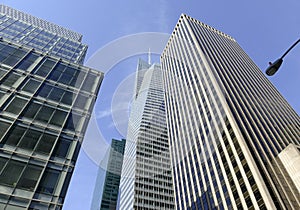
264, 29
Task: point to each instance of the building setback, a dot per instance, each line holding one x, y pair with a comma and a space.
227, 124
146, 181
45, 103
113, 175
41, 35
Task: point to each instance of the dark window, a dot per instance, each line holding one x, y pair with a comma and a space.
14, 135
2, 163
31, 110
67, 98
46, 143
56, 94
29, 177
44, 90
30, 139
31, 85
25, 63
45, 68
48, 182
44, 114
3, 127
62, 147
58, 118
11, 79
11, 173
16, 105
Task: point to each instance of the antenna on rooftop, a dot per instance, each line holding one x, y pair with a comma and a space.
149, 57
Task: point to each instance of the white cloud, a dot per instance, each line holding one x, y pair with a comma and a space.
103, 113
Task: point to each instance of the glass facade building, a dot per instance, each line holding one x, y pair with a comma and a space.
146, 180
45, 103
227, 124
113, 175
41, 35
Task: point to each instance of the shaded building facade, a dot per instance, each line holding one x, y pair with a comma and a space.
146, 180
113, 175
45, 103
227, 124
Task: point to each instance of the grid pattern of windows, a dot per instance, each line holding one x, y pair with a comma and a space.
113, 175
45, 106
226, 124
41, 39
39, 23
146, 181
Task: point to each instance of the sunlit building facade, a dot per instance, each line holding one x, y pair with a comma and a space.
227, 125
113, 175
41, 35
45, 103
146, 180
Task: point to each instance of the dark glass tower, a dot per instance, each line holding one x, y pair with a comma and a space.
45, 104
113, 175
228, 125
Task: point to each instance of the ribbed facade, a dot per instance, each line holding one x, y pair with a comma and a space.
146, 181
227, 124
113, 175
41, 35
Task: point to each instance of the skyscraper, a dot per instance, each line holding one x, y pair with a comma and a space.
45, 104
41, 35
113, 175
146, 181
227, 125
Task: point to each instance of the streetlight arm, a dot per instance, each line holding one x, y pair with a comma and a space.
273, 67
291, 47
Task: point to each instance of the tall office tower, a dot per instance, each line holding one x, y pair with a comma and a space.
227, 125
113, 175
45, 105
41, 35
146, 181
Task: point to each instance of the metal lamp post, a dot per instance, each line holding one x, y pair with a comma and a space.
273, 67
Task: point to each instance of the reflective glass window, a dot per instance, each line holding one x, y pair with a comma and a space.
44, 114
68, 98
14, 135
3, 127
48, 182
30, 139
62, 147
15, 57
45, 68
46, 143
2, 163
31, 85
11, 173
27, 61
89, 83
31, 109
2, 72
29, 177
12, 79
74, 122
58, 118
16, 105
44, 90
56, 94
81, 101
